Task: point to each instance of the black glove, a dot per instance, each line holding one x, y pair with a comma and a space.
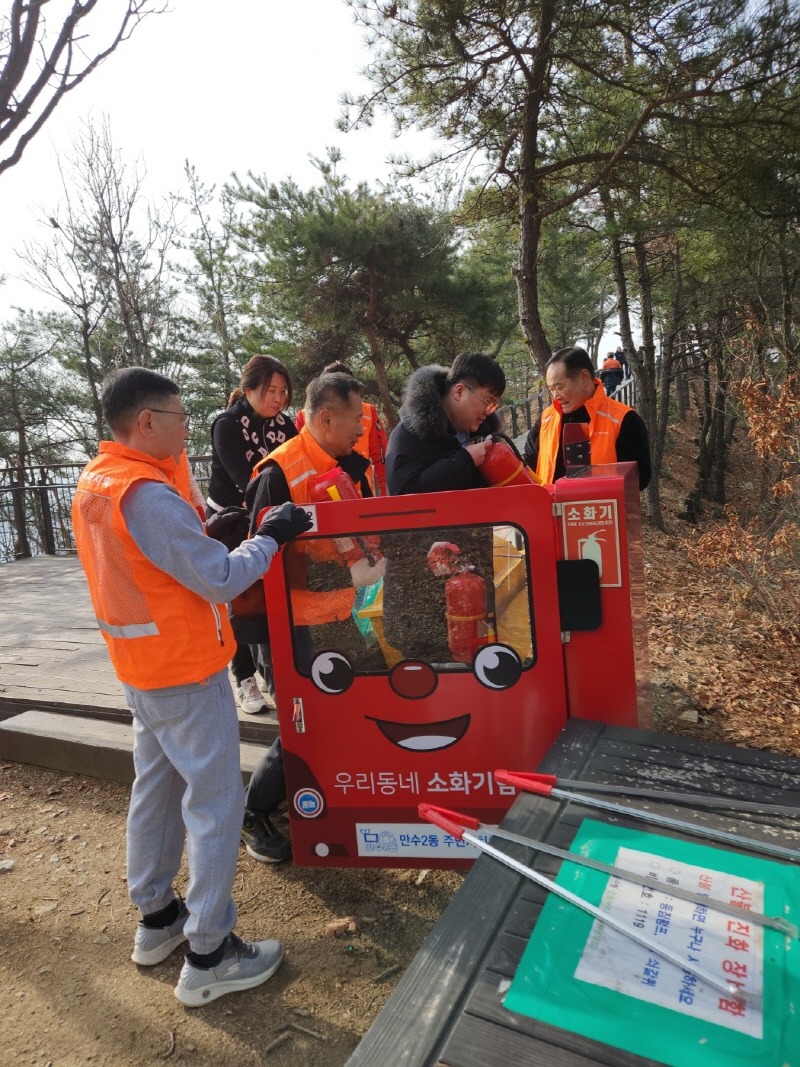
285, 522
229, 526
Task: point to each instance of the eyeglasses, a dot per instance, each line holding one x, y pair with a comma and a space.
488, 405
181, 414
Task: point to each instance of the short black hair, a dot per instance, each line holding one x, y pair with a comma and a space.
337, 368
574, 359
330, 389
476, 367
125, 392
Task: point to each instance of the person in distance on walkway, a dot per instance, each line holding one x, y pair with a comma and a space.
611, 374
159, 587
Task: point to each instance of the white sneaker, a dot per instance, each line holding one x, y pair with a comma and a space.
249, 698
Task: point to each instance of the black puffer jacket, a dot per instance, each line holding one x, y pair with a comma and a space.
424, 454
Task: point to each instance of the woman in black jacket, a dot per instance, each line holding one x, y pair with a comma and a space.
253, 424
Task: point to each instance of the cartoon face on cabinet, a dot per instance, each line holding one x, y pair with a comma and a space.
416, 648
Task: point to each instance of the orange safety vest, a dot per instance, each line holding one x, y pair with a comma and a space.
605, 421
158, 632
302, 459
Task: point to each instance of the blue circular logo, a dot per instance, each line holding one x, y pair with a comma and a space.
308, 803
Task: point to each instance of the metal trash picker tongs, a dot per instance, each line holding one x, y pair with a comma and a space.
699, 800
461, 827
534, 783
783, 926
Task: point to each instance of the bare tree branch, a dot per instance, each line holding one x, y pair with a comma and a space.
38, 68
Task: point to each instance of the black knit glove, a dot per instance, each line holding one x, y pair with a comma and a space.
229, 526
285, 522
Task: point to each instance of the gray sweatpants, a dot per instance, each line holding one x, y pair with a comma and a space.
188, 783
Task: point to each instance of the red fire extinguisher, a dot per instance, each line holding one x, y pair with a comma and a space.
337, 484
465, 609
333, 485
503, 465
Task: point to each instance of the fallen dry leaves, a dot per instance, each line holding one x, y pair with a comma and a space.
349, 925
714, 658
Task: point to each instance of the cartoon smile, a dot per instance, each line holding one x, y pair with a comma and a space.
424, 737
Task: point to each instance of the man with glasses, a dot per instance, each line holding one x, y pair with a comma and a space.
439, 445
159, 589
440, 442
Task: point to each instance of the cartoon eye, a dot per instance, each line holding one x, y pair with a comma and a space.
332, 673
497, 667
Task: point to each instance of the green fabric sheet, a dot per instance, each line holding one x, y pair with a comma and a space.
545, 986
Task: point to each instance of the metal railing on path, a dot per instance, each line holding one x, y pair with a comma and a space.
35, 514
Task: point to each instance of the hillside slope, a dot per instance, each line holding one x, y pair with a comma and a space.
721, 670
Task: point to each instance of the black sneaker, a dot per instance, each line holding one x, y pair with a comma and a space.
263, 842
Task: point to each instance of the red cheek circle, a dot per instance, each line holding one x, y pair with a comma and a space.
413, 679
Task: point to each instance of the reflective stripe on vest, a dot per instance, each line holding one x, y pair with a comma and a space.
147, 629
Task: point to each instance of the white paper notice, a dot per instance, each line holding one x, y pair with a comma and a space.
727, 947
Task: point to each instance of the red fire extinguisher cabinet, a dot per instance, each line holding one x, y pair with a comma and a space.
376, 711
415, 687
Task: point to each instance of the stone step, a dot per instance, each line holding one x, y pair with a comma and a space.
87, 746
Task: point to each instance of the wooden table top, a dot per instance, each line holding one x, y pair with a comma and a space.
447, 1010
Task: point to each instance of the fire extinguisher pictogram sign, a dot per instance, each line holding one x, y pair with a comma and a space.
591, 531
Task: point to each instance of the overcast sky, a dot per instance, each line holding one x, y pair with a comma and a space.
240, 85
234, 86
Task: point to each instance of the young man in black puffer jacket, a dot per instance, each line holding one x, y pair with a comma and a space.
439, 445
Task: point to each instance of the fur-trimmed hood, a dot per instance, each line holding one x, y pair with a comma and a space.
422, 413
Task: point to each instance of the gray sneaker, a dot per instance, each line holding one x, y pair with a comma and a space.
152, 946
244, 964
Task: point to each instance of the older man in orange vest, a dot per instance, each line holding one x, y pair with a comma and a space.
324, 582
372, 442
616, 432
159, 589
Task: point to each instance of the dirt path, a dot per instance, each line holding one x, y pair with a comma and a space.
73, 996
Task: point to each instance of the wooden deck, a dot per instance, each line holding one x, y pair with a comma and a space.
51, 651
447, 1011
53, 658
